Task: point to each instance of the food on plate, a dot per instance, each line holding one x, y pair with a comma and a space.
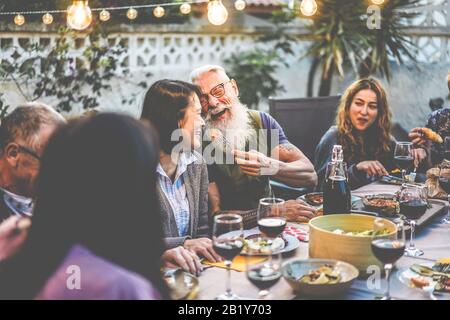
382, 202
256, 244
419, 282
365, 233
314, 199
395, 171
443, 285
325, 274
431, 135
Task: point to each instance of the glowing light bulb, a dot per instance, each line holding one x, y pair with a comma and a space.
377, 2
79, 15
240, 5
308, 7
104, 15
158, 12
217, 13
47, 18
19, 19
132, 14
185, 8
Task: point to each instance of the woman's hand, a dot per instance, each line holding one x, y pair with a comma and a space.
372, 168
180, 257
417, 137
202, 247
419, 155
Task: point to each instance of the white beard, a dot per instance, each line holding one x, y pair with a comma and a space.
236, 130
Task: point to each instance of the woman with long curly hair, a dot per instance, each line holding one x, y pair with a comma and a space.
363, 128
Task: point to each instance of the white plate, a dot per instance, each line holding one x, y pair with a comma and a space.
405, 275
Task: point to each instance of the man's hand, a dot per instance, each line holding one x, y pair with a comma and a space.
180, 257
202, 247
372, 168
13, 232
419, 155
254, 163
299, 211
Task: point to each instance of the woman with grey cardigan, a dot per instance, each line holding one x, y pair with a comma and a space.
173, 107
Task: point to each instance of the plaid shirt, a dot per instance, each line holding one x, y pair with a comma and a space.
175, 192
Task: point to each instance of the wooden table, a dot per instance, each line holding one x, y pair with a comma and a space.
433, 238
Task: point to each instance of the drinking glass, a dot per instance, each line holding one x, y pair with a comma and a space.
403, 157
271, 217
228, 241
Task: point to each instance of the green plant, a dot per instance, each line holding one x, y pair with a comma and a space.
41, 71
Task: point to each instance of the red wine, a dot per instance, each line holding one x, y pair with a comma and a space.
404, 162
272, 227
228, 249
445, 184
388, 250
263, 278
336, 196
413, 209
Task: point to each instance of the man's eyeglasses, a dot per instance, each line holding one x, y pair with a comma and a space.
217, 92
29, 151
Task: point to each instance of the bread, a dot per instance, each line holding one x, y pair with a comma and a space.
431, 135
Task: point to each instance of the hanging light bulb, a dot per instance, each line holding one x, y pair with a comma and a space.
377, 2
185, 8
217, 13
132, 14
79, 15
104, 15
47, 18
19, 19
308, 7
240, 5
158, 12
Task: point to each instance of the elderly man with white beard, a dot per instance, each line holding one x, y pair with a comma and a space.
240, 184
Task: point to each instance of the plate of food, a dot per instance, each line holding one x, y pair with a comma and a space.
427, 275
319, 277
262, 246
386, 205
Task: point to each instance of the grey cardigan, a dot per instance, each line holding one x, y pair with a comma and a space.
196, 184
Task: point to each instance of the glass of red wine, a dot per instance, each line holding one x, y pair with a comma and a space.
271, 217
444, 182
228, 241
403, 157
413, 204
266, 273
388, 250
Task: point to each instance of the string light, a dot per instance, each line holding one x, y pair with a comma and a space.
308, 7
217, 13
377, 2
104, 15
47, 18
19, 19
185, 8
240, 5
158, 12
79, 15
132, 13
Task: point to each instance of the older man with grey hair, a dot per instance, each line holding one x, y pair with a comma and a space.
240, 184
24, 134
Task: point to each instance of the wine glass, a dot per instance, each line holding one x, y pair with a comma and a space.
271, 217
228, 241
413, 204
403, 157
388, 250
264, 274
444, 182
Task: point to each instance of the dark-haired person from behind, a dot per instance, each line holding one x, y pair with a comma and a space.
173, 107
93, 235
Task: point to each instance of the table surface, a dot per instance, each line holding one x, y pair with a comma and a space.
433, 239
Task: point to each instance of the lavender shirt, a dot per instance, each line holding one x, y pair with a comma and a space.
99, 280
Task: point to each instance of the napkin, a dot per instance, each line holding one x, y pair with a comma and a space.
239, 263
300, 234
